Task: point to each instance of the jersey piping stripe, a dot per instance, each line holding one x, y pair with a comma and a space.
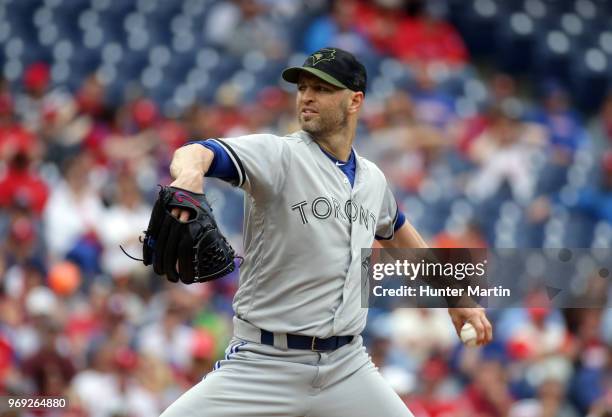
393, 231
237, 162
233, 349
230, 350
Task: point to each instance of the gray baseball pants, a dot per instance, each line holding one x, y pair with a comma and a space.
260, 380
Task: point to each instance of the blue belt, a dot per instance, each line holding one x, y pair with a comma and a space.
315, 344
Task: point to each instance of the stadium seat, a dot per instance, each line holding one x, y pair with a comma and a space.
553, 55
480, 17
579, 231
602, 235
590, 78
132, 64
515, 37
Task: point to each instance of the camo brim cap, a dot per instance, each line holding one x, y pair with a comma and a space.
333, 65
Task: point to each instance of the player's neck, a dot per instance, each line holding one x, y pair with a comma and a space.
338, 144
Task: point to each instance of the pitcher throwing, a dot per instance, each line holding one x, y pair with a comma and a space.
312, 204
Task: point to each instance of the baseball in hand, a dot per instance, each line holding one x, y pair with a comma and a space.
469, 337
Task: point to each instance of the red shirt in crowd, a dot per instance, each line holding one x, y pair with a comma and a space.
426, 40
21, 185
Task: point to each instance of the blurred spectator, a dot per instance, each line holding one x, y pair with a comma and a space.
157, 377
566, 134
90, 97
592, 384
243, 26
502, 90
169, 339
135, 135
550, 401
380, 22
270, 111
504, 153
95, 385
115, 322
488, 393
228, 114
409, 334
135, 399
26, 319
405, 146
201, 122
22, 245
432, 106
595, 200
14, 138
99, 318
338, 28
420, 37
38, 103
464, 235
29, 105
403, 383
49, 369
536, 332
587, 205
275, 113
79, 121
6, 359
123, 224
22, 186
95, 117
108, 387
428, 39
384, 351
437, 395
601, 127
72, 215
202, 357
562, 123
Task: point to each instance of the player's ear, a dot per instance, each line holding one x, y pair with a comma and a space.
355, 101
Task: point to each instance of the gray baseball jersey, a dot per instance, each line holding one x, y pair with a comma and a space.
304, 228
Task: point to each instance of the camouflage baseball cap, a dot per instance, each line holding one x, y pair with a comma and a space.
333, 65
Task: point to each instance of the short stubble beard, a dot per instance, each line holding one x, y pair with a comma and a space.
325, 125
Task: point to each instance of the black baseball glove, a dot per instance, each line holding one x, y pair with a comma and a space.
199, 248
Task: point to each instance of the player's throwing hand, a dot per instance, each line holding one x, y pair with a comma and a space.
476, 317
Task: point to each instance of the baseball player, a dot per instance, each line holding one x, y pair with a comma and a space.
312, 203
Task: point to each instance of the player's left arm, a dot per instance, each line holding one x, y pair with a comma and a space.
406, 236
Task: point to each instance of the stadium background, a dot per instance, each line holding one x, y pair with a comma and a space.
492, 120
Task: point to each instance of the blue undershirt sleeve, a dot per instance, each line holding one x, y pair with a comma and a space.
400, 219
399, 222
222, 166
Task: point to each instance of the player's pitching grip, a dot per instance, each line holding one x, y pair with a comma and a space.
469, 337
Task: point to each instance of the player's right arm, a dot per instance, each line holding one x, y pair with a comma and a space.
255, 163
189, 165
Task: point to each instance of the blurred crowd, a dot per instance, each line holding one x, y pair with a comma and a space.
477, 157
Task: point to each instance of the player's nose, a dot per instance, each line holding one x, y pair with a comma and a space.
307, 95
